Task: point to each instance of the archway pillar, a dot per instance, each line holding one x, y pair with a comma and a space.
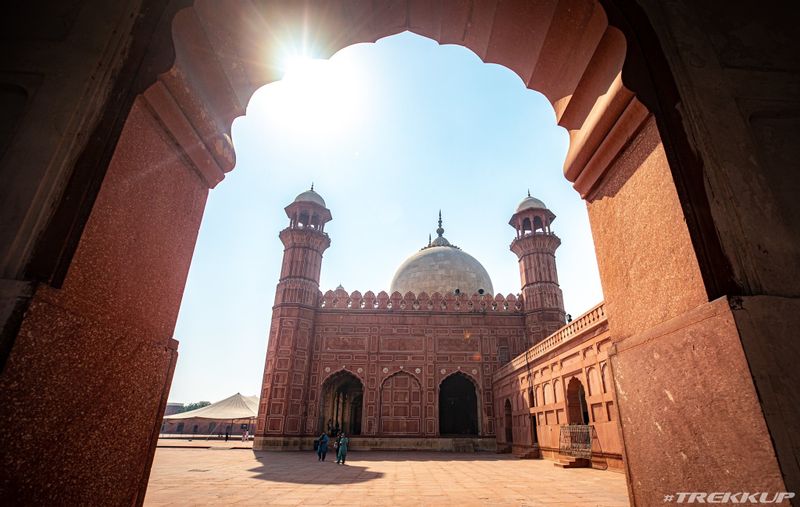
738, 103
685, 397
109, 322
109, 327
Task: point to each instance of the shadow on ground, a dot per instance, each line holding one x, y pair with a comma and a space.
383, 455
315, 472
442, 456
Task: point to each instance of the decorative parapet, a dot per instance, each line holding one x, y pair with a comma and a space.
586, 322
577, 326
341, 300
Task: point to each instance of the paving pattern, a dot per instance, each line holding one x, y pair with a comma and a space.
221, 475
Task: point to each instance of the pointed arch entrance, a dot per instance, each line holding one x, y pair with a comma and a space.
342, 404
577, 409
508, 423
458, 406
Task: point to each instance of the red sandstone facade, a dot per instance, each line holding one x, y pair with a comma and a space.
419, 371
400, 371
565, 379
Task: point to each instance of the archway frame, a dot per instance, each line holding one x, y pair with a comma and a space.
578, 381
201, 42
321, 401
478, 398
508, 421
44, 248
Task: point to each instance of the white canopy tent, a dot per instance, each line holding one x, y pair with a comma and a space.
233, 408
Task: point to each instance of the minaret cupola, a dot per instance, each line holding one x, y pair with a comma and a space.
308, 211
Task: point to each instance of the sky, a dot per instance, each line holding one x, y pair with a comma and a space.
389, 133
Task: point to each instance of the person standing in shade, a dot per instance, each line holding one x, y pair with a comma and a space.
341, 453
322, 446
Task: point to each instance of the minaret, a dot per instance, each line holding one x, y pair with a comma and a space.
284, 393
535, 246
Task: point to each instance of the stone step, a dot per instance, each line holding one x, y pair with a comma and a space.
570, 462
463, 446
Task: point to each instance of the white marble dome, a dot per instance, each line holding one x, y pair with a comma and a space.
530, 203
310, 196
443, 268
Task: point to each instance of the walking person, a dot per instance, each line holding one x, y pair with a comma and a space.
341, 453
322, 446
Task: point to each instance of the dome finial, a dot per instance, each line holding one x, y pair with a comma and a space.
312, 188
440, 231
429, 240
529, 190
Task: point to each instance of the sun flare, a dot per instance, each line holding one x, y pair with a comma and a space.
317, 96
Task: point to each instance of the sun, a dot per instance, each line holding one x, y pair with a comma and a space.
299, 64
317, 96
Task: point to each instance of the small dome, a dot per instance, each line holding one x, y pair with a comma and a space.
310, 196
441, 269
530, 203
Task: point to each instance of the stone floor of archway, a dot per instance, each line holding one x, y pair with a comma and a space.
223, 476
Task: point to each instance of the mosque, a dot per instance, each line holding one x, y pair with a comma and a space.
439, 362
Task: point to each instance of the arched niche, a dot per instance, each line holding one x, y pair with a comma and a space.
508, 421
400, 408
577, 409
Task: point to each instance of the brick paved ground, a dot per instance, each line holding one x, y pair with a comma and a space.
221, 476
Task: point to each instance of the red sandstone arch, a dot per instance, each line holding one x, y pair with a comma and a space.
189, 107
567, 50
508, 422
465, 374
577, 409
478, 395
328, 376
341, 416
585, 88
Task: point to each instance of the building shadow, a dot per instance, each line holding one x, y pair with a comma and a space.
304, 468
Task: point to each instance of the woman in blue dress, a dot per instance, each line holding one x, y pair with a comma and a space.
322, 446
341, 453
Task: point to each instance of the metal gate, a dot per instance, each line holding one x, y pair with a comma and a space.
576, 440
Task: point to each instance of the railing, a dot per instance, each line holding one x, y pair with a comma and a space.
585, 322
588, 319
483, 303
576, 440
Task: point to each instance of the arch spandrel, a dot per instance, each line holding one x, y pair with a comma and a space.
341, 371
475, 383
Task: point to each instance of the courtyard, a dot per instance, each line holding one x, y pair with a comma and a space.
221, 474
